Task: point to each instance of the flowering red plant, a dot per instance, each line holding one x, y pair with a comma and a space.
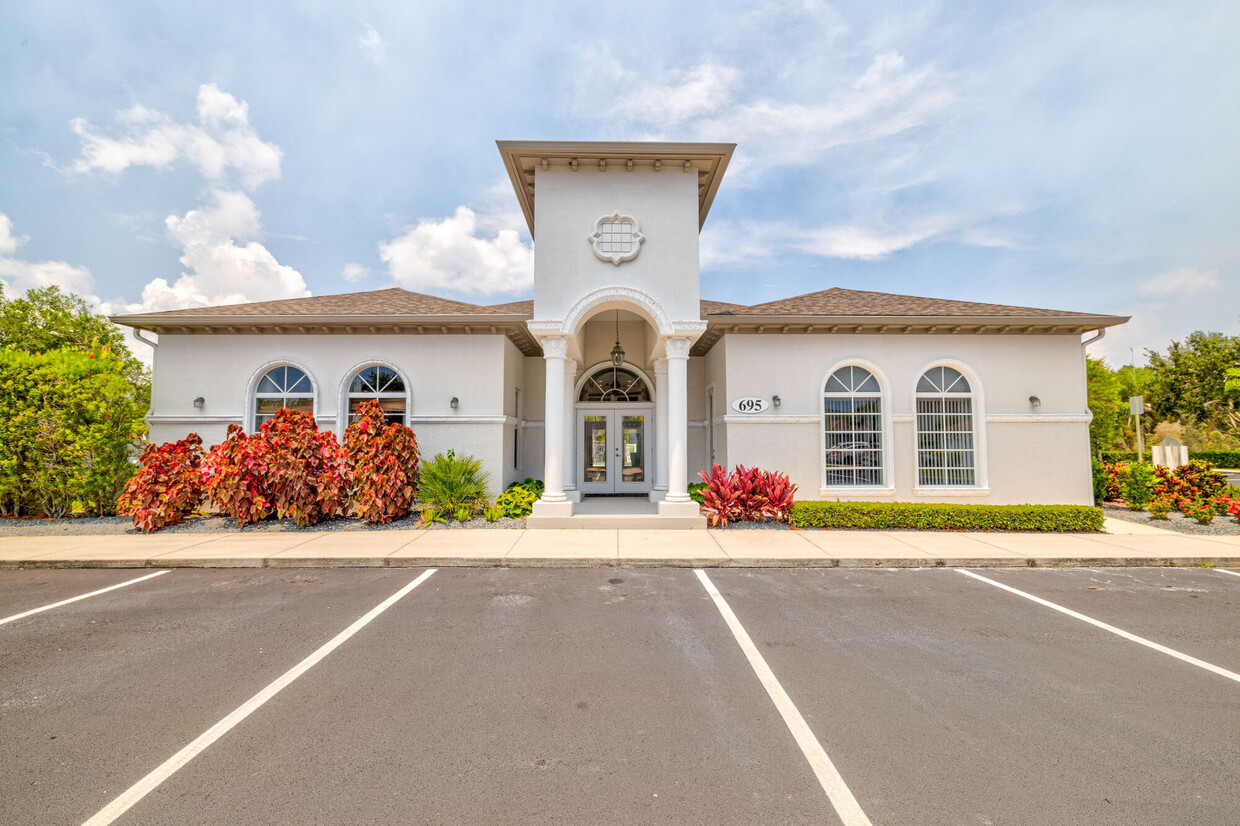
304, 468
382, 465
746, 494
236, 477
167, 487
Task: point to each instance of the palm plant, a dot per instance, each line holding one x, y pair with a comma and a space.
450, 483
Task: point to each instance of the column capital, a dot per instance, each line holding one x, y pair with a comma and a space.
570, 367
660, 367
678, 348
555, 347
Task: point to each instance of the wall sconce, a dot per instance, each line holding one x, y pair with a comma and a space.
775, 400
454, 403
199, 403
1035, 402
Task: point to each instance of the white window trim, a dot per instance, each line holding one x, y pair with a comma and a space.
888, 487
251, 391
981, 486
616, 258
342, 398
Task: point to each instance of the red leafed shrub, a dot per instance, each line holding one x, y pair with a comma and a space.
167, 487
304, 468
1194, 481
236, 477
382, 463
1115, 477
746, 495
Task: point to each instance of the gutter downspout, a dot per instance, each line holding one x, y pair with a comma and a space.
154, 345
1102, 331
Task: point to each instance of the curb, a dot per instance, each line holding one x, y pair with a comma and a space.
458, 562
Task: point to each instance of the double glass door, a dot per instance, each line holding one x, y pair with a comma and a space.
613, 453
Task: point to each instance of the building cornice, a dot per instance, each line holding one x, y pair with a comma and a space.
511, 326
524, 159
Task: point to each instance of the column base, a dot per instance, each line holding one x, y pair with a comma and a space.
689, 508
543, 508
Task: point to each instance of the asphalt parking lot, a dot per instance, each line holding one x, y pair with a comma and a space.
620, 696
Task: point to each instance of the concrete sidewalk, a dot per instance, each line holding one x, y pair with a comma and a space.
1124, 544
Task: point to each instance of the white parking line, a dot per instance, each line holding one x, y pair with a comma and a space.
1225, 571
846, 806
1223, 672
83, 596
146, 785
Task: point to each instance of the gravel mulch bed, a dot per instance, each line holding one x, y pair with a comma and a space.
92, 525
1221, 526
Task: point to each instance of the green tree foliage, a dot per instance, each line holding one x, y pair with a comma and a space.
1106, 403
48, 319
1190, 380
70, 424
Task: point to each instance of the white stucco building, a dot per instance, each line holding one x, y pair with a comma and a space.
618, 378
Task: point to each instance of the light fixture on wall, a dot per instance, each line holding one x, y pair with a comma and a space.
454, 403
199, 403
775, 400
1035, 402
617, 352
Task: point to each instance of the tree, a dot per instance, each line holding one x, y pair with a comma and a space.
1190, 378
47, 319
1106, 403
70, 424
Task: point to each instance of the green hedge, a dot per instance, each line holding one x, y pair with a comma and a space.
1218, 458
926, 516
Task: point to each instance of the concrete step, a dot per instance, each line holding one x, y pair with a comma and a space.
631, 521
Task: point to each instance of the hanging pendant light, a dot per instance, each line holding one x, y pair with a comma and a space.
617, 352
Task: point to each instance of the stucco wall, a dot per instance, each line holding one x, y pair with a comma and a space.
665, 205
1026, 455
479, 370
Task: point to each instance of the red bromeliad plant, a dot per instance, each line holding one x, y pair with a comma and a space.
236, 477
304, 468
168, 486
382, 463
746, 495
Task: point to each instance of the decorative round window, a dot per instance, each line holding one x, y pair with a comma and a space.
616, 238
615, 384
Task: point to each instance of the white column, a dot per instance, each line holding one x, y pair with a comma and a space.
555, 351
677, 426
570, 425
660, 425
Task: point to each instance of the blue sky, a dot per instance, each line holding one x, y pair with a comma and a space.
1080, 156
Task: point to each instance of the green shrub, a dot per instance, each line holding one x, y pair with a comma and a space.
534, 486
1101, 481
492, 513
695, 492
71, 425
464, 513
1137, 485
1217, 458
449, 482
517, 502
926, 516
432, 515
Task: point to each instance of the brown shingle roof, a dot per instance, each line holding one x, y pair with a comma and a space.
393, 301
840, 302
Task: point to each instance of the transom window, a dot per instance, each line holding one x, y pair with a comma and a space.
383, 384
282, 387
852, 407
946, 454
615, 384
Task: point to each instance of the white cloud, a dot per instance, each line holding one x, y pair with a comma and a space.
372, 44
465, 253
1184, 281
224, 260
354, 272
221, 140
706, 103
20, 275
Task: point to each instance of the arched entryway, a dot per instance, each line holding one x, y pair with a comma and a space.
615, 430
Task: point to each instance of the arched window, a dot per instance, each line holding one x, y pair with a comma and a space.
282, 387
852, 407
946, 450
615, 384
382, 383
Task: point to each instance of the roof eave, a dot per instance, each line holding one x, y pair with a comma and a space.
151, 320
1091, 322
